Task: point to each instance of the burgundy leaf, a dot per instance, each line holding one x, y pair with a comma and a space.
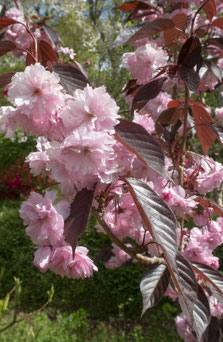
153, 285
152, 27
216, 71
6, 46
76, 223
71, 77
4, 22
206, 202
147, 92
218, 41
210, 9
169, 69
51, 34
217, 129
201, 314
201, 117
131, 88
125, 35
212, 333
166, 118
47, 53
156, 215
218, 23
30, 58
188, 286
6, 79
171, 35
80, 67
141, 143
190, 53
190, 77
136, 15
213, 277
132, 6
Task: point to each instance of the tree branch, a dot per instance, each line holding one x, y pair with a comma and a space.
141, 258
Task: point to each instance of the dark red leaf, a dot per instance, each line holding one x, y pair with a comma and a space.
170, 36
217, 129
52, 35
136, 15
4, 22
201, 313
218, 23
213, 277
147, 92
30, 58
152, 27
6, 79
201, 32
47, 53
206, 202
212, 333
190, 76
132, 6
6, 46
166, 118
190, 53
169, 69
218, 41
156, 215
210, 9
131, 88
153, 285
141, 143
188, 286
216, 71
76, 223
71, 77
125, 35
205, 134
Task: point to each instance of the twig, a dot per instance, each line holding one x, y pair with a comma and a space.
193, 20
141, 258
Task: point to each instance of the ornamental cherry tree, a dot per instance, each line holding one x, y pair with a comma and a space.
141, 178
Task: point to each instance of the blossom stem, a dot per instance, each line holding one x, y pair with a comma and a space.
141, 258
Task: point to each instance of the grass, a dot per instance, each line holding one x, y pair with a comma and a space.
76, 327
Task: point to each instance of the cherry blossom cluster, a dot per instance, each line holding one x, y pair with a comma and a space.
45, 227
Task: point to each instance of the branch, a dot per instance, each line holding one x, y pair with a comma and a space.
141, 258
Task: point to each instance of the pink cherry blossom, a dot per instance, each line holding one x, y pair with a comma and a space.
90, 107
119, 257
83, 157
219, 114
45, 223
144, 61
158, 105
36, 91
38, 160
145, 121
215, 307
209, 175
175, 196
184, 329
62, 262
66, 51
